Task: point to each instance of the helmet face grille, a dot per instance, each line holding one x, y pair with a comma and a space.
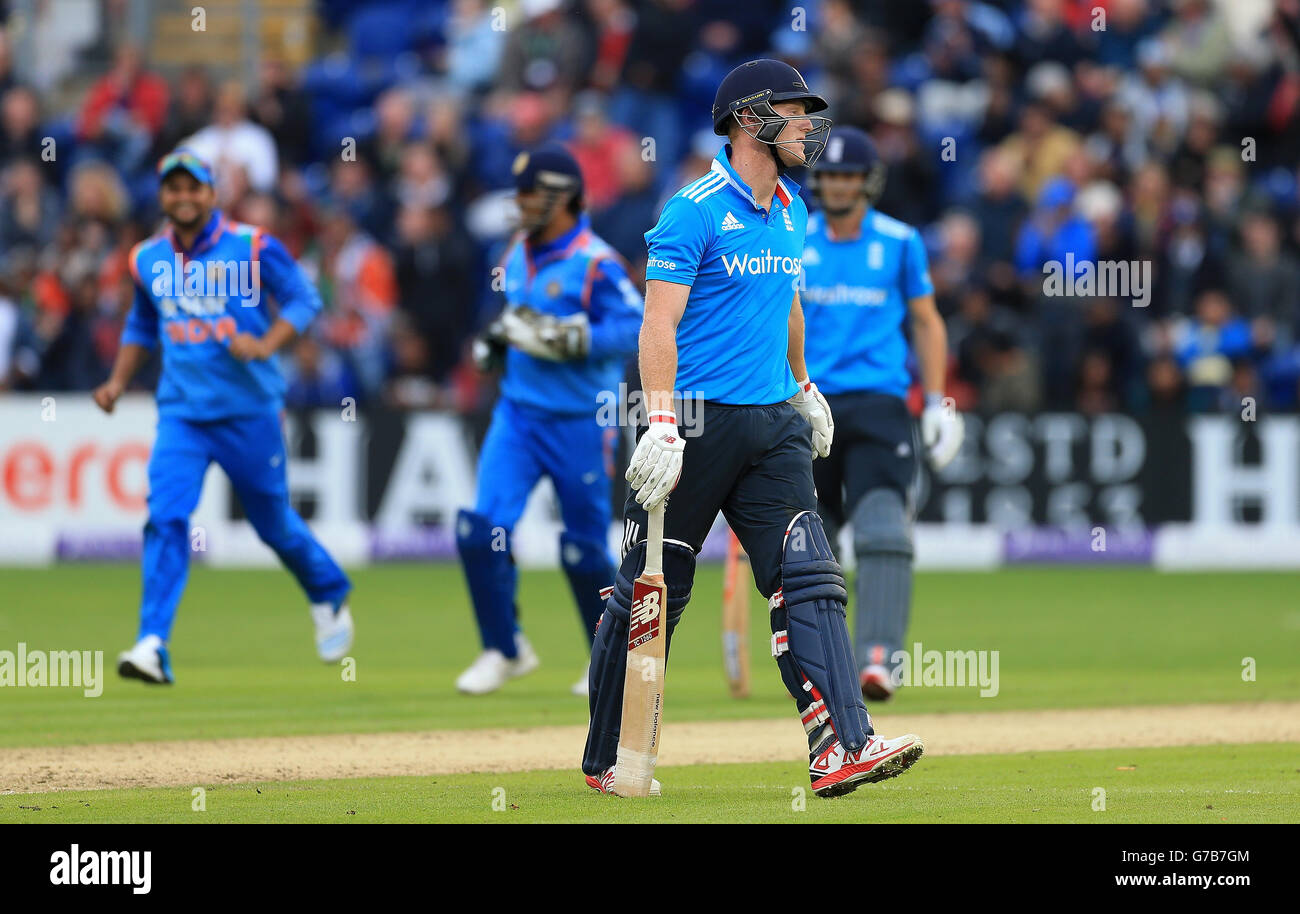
770, 124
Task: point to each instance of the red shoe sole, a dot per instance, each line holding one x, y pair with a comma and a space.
851, 777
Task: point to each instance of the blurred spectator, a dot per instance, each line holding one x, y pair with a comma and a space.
635, 205
1039, 149
547, 49
233, 141
999, 210
394, 128
190, 110
1128, 24
438, 279
613, 21
316, 377
285, 110
1264, 280
598, 146
124, 111
1198, 40
911, 189
20, 126
360, 291
1053, 233
991, 356
1207, 346
96, 194
29, 211
474, 45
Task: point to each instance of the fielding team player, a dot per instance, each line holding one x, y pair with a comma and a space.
569, 326
866, 278
220, 397
722, 317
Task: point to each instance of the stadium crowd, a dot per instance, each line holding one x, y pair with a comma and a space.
1016, 133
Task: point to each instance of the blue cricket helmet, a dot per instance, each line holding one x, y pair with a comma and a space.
851, 151
759, 84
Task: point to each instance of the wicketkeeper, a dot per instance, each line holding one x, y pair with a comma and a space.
220, 398
723, 318
866, 283
566, 333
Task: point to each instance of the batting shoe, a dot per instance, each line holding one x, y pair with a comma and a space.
877, 683
148, 661
580, 688
333, 630
493, 669
835, 771
605, 783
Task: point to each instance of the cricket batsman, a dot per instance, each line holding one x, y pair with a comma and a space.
203, 292
866, 281
723, 318
569, 326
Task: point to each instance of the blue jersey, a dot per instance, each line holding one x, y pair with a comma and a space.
855, 299
742, 263
193, 302
574, 273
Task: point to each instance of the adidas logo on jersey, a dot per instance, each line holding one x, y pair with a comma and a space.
731, 222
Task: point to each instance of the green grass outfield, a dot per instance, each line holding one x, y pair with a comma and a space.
1211, 784
245, 664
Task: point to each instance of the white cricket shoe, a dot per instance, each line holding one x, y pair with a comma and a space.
605, 783
492, 669
835, 771
580, 688
877, 683
147, 660
333, 631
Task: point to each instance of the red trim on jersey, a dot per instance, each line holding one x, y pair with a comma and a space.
783, 195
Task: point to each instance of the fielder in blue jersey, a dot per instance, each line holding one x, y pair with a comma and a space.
723, 322
569, 326
866, 284
204, 294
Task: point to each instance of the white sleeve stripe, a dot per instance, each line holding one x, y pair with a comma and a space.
714, 182
693, 186
711, 191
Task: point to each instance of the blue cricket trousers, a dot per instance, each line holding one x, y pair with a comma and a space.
250, 449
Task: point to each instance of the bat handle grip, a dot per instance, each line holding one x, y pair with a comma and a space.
654, 544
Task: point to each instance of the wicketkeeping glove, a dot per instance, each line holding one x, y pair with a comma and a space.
489, 349
546, 336
656, 463
942, 430
813, 407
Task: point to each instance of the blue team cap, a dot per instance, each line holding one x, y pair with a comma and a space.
188, 162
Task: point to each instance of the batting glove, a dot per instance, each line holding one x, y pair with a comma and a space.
942, 430
813, 406
657, 461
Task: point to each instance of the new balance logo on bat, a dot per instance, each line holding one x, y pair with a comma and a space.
731, 222
643, 623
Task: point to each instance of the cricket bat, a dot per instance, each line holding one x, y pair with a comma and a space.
643, 683
735, 619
